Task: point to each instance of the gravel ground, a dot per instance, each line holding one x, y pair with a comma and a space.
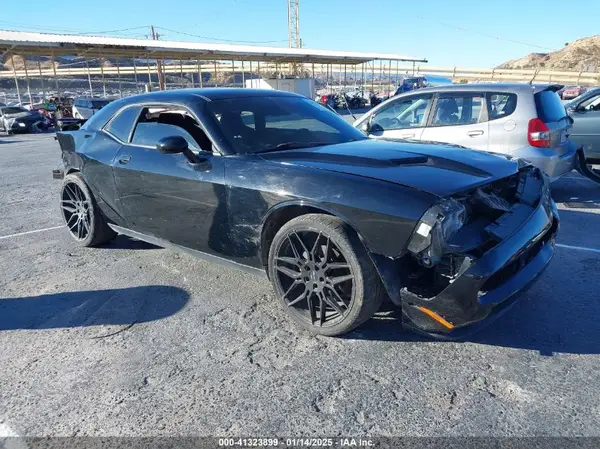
131, 339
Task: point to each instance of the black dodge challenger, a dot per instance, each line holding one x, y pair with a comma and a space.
274, 183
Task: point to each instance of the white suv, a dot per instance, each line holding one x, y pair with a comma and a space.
523, 120
84, 108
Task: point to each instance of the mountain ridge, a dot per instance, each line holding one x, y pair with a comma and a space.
581, 55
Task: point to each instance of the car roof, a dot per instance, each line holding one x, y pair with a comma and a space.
489, 87
208, 94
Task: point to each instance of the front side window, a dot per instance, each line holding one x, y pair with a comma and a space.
148, 134
404, 113
158, 122
122, 124
257, 124
592, 103
458, 109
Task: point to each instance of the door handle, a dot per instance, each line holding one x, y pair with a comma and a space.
124, 159
407, 136
475, 133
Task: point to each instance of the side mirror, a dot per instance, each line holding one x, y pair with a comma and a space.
172, 145
375, 128
365, 127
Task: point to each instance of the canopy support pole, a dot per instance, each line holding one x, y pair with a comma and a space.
183, 82
55, 77
87, 66
119, 75
137, 87
199, 73
103, 79
243, 76
149, 73
42, 79
27, 79
12, 62
232, 72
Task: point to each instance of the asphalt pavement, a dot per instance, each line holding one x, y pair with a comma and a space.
131, 339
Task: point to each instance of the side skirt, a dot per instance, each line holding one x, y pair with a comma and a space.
199, 254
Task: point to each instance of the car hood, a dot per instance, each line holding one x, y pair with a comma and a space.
439, 169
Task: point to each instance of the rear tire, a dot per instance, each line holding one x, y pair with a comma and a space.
323, 276
81, 213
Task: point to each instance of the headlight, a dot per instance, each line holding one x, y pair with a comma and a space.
435, 229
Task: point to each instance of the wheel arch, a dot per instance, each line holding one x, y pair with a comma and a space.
284, 212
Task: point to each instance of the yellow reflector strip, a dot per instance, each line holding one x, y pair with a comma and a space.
436, 317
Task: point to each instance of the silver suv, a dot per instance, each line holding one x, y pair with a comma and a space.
523, 120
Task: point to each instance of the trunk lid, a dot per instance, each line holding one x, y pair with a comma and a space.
552, 112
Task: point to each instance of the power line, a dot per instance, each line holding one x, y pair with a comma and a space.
116, 31
218, 39
484, 34
68, 30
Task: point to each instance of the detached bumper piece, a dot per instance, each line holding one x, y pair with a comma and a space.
491, 262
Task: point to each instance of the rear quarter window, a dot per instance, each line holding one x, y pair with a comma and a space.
100, 118
122, 124
500, 104
549, 107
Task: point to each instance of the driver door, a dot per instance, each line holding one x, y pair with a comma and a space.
165, 195
402, 118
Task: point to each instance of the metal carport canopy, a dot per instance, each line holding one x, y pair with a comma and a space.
42, 44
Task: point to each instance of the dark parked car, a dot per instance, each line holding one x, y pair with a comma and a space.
15, 119
585, 111
274, 183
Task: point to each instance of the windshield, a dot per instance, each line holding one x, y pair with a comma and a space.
97, 104
13, 110
411, 80
258, 124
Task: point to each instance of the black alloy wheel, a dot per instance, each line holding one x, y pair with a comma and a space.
81, 214
323, 275
76, 211
319, 278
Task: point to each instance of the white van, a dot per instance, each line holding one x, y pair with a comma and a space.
84, 108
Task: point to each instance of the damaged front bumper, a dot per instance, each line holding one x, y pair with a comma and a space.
489, 279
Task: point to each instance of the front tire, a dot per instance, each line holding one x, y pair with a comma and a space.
81, 214
323, 276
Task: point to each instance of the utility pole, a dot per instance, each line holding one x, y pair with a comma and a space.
159, 64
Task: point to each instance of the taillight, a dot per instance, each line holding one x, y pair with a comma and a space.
538, 134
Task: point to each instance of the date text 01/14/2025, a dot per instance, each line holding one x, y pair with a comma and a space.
295, 442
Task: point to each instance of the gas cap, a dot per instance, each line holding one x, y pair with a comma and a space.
509, 125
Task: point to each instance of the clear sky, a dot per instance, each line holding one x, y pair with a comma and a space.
466, 33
